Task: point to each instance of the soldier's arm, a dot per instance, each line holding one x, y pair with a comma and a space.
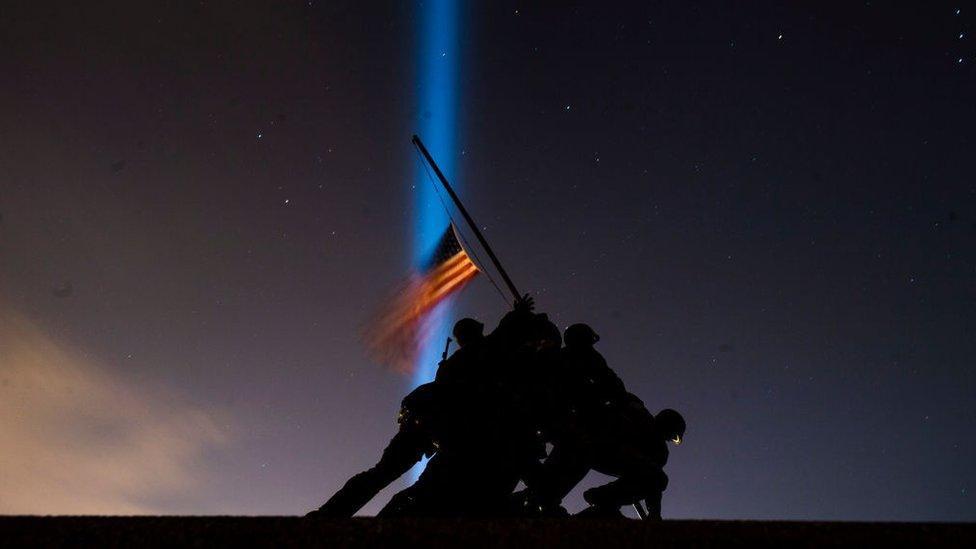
443, 371
611, 383
515, 321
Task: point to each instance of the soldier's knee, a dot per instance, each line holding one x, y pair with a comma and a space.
652, 481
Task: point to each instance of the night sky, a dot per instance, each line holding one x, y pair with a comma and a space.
767, 210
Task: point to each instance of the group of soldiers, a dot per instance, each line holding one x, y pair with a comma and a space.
521, 404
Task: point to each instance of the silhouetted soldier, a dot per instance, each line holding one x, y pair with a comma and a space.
483, 450
580, 387
593, 423
415, 439
636, 455
507, 366
587, 382
483, 369
537, 365
629, 443
484, 359
470, 360
493, 439
474, 420
477, 452
516, 328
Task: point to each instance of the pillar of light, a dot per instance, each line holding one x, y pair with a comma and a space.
437, 86
438, 54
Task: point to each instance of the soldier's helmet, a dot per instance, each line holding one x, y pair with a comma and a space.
580, 335
467, 330
670, 425
546, 333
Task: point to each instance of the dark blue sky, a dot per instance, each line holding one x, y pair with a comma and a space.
767, 211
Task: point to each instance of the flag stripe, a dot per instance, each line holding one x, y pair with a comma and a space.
431, 287
469, 271
460, 265
428, 293
396, 334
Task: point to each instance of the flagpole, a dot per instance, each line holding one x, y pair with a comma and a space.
467, 217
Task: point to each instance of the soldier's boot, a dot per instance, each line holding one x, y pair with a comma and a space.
653, 506
622, 491
630, 490
525, 503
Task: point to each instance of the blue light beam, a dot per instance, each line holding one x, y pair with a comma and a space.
437, 71
438, 55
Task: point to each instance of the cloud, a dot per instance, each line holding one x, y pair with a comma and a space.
76, 439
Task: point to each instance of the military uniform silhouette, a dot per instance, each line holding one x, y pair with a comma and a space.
508, 364
458, 420
635, 453
587, 384
491, 441
630, 444
413, 441
578, 386
594, 423
482, 452
484, 420
516, 328
470, 362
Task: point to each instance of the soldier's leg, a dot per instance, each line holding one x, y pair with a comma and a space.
398, 457
402, 504
630, 489
457, 486
431, 495
499, 479
653, 501
638, 478
565, 467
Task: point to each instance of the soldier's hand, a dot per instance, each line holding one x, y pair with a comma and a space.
525, 304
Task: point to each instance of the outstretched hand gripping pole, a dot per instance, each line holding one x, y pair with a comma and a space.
467, 217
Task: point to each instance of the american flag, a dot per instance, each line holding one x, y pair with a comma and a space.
397, 333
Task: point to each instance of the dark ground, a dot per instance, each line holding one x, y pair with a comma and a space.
371, 532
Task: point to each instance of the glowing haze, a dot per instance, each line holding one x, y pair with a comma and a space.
79, 440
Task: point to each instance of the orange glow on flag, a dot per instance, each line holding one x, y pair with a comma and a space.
396, 335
